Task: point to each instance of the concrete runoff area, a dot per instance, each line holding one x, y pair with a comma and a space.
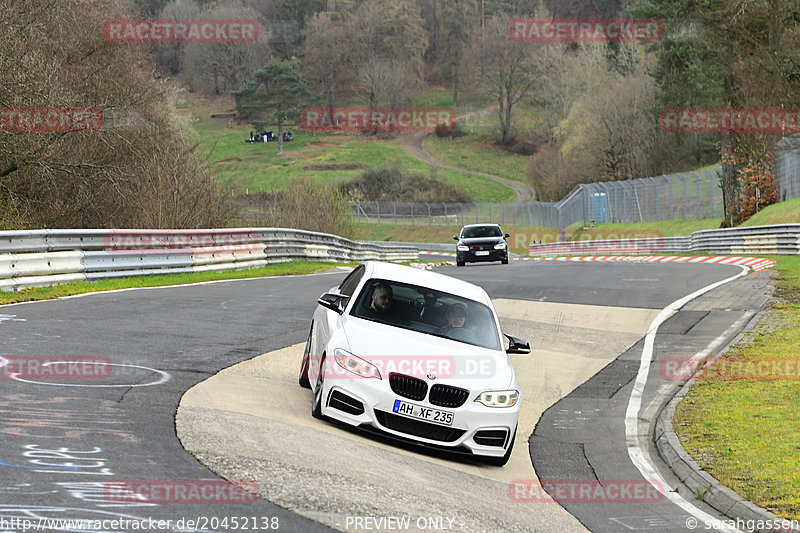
252, 421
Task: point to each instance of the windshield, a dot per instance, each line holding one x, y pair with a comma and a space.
476, 232
428, 311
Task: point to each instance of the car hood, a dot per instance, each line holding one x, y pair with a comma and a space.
395, 349
481, 241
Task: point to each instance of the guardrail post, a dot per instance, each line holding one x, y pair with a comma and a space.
429, 213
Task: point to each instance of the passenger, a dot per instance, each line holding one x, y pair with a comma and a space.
456, 316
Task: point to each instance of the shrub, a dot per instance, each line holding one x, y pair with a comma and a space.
392, 184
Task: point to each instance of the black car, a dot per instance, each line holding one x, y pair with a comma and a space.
481, 242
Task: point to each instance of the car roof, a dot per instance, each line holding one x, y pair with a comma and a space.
425, 278
476, 225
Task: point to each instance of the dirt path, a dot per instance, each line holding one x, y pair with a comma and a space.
414, 143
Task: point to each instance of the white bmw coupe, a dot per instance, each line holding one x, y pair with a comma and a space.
416, 356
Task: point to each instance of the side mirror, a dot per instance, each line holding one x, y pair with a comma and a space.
508, 235
455, 237
332, 301
516, 345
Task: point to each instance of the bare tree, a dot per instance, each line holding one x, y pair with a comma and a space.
327, 60
170, 55
506, 68
137, 170
218, 68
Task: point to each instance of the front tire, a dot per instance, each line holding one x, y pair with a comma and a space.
459, 263
316, 406
504, 261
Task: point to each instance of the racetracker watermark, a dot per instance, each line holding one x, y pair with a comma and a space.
193, 240
54, 367
50, 119
731, 120
541, 30
202, 491
377, 119
521, 238
181, 31
730, 369
585, 491
426, 367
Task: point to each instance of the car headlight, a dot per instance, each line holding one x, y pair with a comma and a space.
498, 398
356, 365
500, 246
462, 248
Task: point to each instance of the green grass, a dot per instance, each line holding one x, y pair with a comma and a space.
161, 280
783, 213
746, 432
664, 228
478, 153
328, 157
437, 97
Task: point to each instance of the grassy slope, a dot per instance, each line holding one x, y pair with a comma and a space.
342, 156
479, 154
782, 213
746, 432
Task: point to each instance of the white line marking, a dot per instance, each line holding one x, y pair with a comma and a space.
635, 451
165, 376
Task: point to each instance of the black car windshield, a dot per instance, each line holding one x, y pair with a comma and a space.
476, 232
427, 311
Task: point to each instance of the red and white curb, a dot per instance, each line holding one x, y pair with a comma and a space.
755, 264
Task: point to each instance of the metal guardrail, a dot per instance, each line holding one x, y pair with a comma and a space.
781, 239
47, 257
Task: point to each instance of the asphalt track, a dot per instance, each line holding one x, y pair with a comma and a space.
61, 441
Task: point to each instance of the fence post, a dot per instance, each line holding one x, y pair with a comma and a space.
412, 213
446, 221
685, 197
697, 179
669, 182
394, 212
378, 209
490, 213
429, 214
461, 222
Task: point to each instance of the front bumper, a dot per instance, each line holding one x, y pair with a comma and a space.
476, 429
470, 257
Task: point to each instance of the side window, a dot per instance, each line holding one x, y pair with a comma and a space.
350, 283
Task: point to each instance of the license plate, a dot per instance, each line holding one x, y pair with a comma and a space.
485, 252
423, 413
